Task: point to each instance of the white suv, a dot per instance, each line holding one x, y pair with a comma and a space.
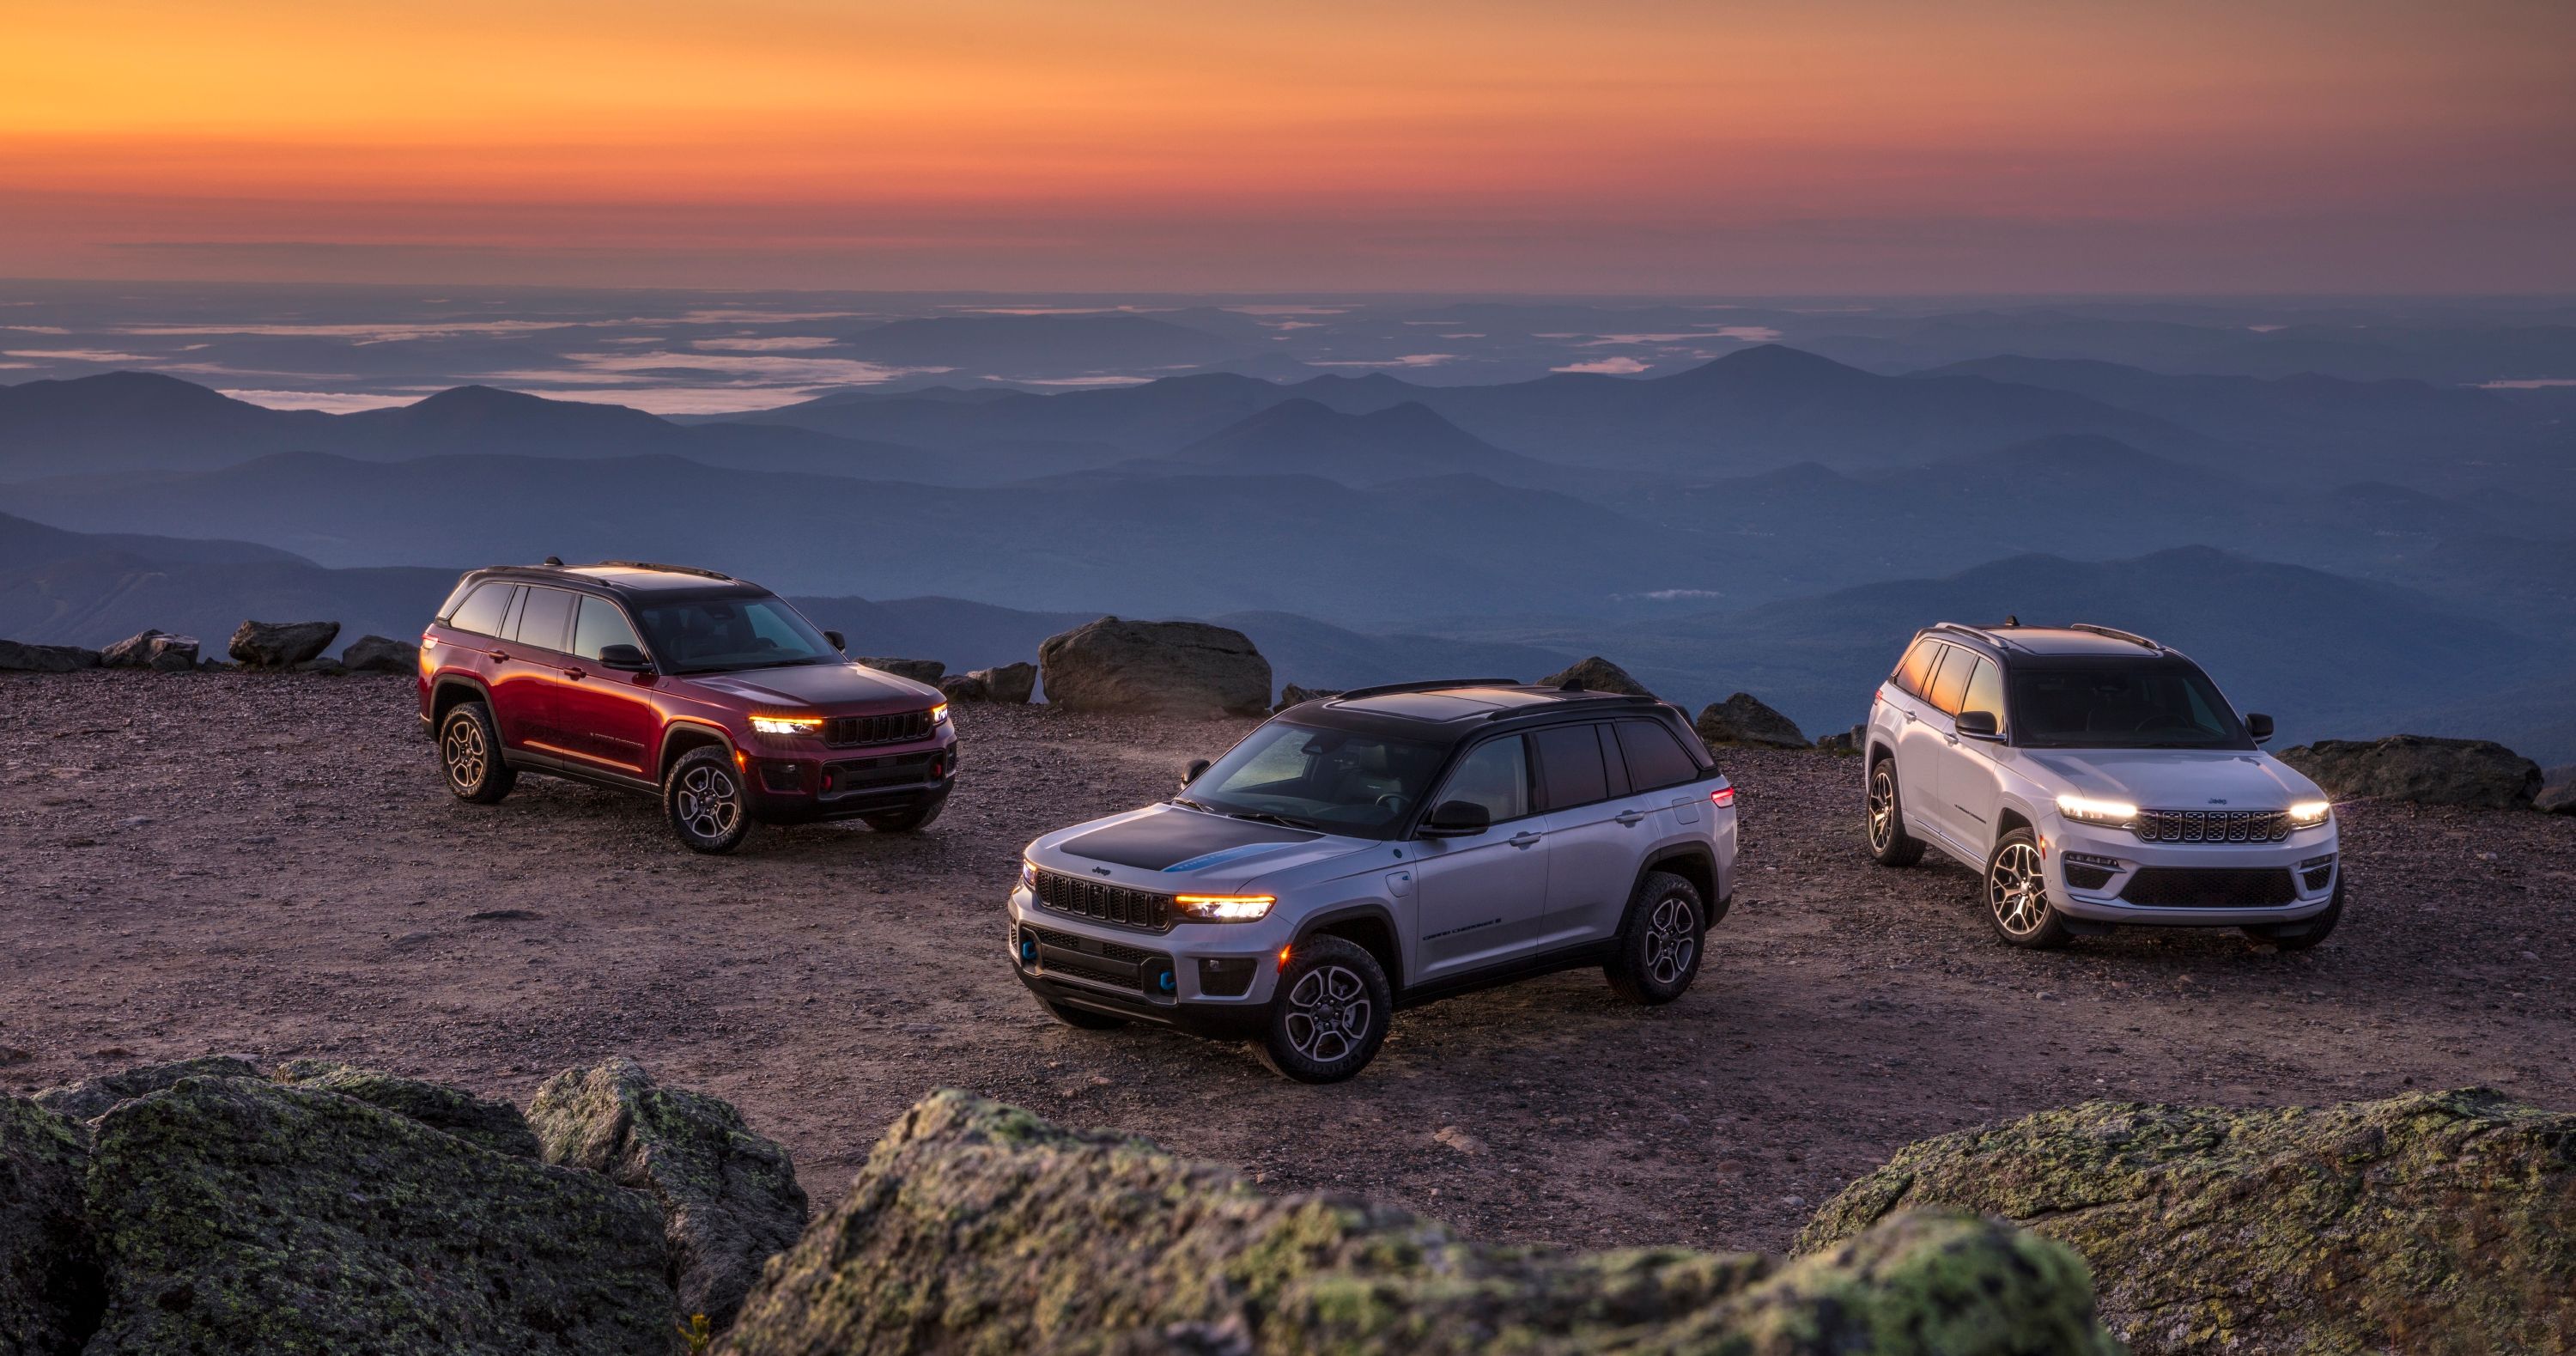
2096, 778
1383, 848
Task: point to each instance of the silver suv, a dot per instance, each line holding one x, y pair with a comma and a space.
1383, 848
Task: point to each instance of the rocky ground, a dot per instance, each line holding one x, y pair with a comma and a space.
269, 865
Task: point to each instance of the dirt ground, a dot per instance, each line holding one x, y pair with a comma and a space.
203, 863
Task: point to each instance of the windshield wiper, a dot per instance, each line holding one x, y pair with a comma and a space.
1189, 804
1265, 817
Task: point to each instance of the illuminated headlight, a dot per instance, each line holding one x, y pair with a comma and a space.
1225, 908
2308, 814
939, 715
787, 725
2117, 813
1028, 875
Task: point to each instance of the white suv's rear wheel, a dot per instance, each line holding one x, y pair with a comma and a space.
1885, 821
2017, 894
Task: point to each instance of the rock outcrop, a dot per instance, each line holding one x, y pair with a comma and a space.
2420, 768
918, 670
91, 1098
155, 650
729, 1197
17, 657
1293, 695
281, 645
381, 654
236, 1215
49, 1284
1596, 674
964, 687
2557, 792
1742, 719
1011, 684
977, 1227
496, 1126
1177, 668
2432, 1222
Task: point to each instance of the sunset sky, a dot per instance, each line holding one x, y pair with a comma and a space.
1610, 146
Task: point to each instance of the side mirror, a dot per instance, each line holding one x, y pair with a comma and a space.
624, 659
837, 641
2258, 725
1191, 773
1979, 725
1457, 819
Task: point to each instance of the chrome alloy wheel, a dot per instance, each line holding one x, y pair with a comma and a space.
709, 802
2016, 890
1328, 1014
1672, 939
464, 753
1882, 805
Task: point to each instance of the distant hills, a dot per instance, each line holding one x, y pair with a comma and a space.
1040, 345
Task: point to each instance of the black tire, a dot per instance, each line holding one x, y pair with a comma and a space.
1883, 818
2016, 890
1661, 938
905, 820
2311, 930
469, 752
1084, 1018
706, 801
1330, 1014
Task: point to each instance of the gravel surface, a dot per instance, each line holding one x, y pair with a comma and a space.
270, 865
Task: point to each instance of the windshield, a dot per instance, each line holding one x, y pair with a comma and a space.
1331, 780
711, 635
2122, 706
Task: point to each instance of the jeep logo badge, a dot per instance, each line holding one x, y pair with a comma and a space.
2216, 801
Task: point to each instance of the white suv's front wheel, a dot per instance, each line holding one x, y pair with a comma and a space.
1331, 1012
2017, 894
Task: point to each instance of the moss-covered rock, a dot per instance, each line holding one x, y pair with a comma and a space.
978, 1228
496, 1126
49, 1286
729, 1198
2431, 1223
236, 1215
91, 1097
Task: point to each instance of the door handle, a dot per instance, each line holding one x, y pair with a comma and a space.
1952, 739
1523, 839
1910, 718
502, 656
577, 675
1629, 817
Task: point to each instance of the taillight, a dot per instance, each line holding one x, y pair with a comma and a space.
1723, 798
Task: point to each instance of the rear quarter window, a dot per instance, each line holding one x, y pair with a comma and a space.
1655, 759
1914, 672
481, 611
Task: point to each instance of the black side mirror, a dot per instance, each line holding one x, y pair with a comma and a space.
1191, 773
624, 659
1457, 819
2258, 725
1979, 725
838, 643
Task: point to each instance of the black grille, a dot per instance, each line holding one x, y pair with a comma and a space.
1103, 901
2085, 876
849, 732
893, 769
2191, 887
2213, 826
1116, 951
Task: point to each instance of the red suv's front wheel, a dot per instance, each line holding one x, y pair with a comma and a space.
705, 800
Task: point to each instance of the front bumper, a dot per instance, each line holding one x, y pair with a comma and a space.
1208, 979
2110, 875
791, 784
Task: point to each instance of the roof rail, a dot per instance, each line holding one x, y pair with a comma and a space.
1981, 633
665, 569
1427, 685
2129, 636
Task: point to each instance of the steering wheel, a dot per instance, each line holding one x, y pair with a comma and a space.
1394, 804
2160, 720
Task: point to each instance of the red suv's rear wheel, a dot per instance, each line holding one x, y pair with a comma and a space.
469, 749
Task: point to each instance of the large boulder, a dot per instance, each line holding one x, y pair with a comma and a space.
2419, 768
133, 652
1293, 695
2557, 792
977, 1227
281, 645
918, 670
49, 1284
1596, 674
22, 658
1742, 719
729, 1197
1011, 684
2432, 1222
496, 1126
1181, 668
91, 1098
964, 687
381, 654
238, 1215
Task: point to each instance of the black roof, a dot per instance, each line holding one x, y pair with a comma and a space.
1450, 710
628, 578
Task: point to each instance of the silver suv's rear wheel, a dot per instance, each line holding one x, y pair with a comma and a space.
1330, 1013
1656, 954
2017, 894
1885, 819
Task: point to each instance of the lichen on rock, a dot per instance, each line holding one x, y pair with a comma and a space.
49, 1284
496, 1126
92, 1097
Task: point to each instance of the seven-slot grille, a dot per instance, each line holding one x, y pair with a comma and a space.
2213, 826
2192, 887
843, 732
1107, 903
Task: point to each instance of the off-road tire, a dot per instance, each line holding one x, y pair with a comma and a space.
1888, 841
2317, 928
904, 820
706, 800
1330, 1013
1084, 1018
1661, 939
2016, 894
469, 753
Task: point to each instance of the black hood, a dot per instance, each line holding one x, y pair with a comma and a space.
817, 685
1156, 842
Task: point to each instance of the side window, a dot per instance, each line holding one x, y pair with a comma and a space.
481, 612
599, 626
545, 620
1986, 692
1951, 683
1569, 765
1914, 674
1495, 775
1655, 759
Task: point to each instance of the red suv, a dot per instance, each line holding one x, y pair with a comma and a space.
708, 692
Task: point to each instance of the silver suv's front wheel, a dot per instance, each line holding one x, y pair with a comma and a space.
2017, 894
1330, 1013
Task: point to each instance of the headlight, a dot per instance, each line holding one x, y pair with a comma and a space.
1226, 908
2308, 814
787, 725
1028, 875
939, 715
2117, 813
